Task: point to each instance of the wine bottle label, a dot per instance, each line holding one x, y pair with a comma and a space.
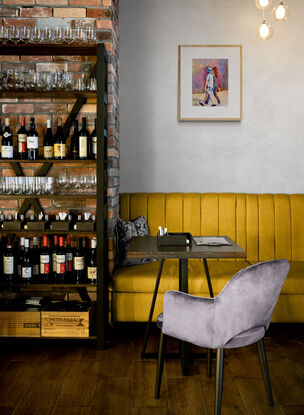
69, 261
94, 146
59, 150
22, 143
35, 269
44, 264
78, 263
26, 272
92, 273
48, 152
54, 261
83, 146
6, 134
8, 264
32, 142
7, 152
60, 264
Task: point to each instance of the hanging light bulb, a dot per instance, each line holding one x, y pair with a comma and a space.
281, 12
264, 32
263, 4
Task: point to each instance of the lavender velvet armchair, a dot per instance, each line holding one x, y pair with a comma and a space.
238, 316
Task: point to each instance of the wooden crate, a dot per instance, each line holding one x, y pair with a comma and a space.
20, 323
65, 323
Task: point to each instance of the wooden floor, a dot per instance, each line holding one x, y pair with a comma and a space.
73, 378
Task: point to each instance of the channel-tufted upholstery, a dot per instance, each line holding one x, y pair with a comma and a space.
267, 226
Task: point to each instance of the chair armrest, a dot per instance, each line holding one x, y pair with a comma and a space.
189, 318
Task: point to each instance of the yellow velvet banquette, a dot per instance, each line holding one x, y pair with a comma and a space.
267, 226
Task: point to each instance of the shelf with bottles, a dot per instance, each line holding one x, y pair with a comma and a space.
83, 144
58, 261
49, 49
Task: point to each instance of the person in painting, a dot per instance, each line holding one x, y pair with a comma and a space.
211, 87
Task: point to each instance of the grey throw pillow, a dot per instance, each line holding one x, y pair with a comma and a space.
124, 232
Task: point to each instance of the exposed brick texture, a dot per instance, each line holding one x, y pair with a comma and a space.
87, 2
69, 12
9, 12
36, 12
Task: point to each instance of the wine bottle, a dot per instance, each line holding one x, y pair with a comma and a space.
45, 261
79, 263
84, 140
35, 260
20, 259
59, 142
48, 142
1, 135
22, 140
26, 267
74, 153
7, 148
32, 141
60, 260
8, 262
54, 256
94, 142
69, 259
92, 263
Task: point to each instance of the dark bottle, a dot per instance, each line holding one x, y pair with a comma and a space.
45, 261
60, 260
32, 142
54, 256
7, 148
22, 140
84, 141
26, 267
8, 262
92, 263
74, 152
1, 136
20, 259
35, 260
48, 142
94, 142
79, 263
59, 142
69, 259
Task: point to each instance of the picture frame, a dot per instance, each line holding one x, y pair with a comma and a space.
209, 82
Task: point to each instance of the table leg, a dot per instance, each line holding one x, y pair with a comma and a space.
160, 268
183, 286
208, 278
209, 351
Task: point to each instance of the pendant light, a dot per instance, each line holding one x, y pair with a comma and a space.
281, 12
263, 4
264, 31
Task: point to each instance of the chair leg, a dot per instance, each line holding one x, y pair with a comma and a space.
265, 371
209, 363
160, 363
219, 381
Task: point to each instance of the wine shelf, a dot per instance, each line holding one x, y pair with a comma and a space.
48, 232
57, 196
47, 94
48, 286
53, 161
49, 49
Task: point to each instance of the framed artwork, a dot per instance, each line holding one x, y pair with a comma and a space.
209, 82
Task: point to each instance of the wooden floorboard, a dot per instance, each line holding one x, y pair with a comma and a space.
74, 378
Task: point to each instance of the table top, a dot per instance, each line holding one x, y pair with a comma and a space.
146, 247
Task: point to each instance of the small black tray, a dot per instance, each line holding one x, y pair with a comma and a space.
174, 239
35, 226
84, 226
11, 225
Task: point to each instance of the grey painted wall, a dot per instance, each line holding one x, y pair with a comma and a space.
262, 153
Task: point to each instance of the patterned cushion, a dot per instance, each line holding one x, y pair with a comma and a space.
125, 231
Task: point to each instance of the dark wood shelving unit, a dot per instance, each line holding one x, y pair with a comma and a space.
59, 196
99, 71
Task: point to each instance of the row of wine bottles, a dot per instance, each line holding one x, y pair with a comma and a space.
59, 262
83, 144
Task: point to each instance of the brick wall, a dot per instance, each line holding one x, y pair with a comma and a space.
103, 15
